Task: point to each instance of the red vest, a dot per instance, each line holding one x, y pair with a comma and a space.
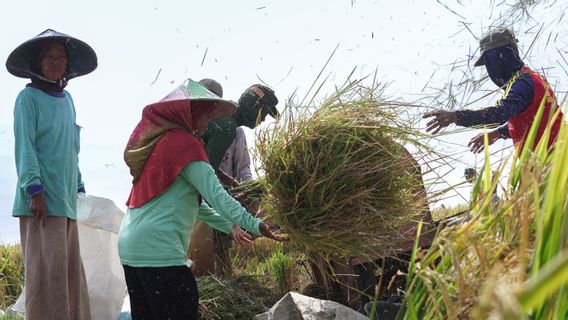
520, 124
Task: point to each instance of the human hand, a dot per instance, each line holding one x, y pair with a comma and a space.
227, 179
441, 120
240, 236
38, 207
270, 232
477, 144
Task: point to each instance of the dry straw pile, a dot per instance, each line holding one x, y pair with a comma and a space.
337, 177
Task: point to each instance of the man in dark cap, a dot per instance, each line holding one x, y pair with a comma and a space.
525, 92
256, 102
254, 105
47, 149
236, 165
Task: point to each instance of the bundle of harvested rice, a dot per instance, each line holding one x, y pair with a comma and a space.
338, 180
233, 299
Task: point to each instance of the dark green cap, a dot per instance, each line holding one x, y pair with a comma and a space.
495, 38
259, 97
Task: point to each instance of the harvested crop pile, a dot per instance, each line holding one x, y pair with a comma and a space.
338, 180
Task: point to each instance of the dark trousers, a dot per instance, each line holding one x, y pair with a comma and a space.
162, 293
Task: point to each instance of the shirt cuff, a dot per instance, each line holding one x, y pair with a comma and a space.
34, 189
504, 131
462, 120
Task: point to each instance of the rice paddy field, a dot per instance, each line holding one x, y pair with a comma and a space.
11, 274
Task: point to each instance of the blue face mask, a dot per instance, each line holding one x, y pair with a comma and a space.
501, 63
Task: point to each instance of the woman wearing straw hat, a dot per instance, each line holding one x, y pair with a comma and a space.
525, 92
47, 148
171, 173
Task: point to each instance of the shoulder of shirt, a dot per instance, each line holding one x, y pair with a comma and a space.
27, 94
223, 124
199, 165
524, 80
239, 133
28, 91
34, 92
226, 121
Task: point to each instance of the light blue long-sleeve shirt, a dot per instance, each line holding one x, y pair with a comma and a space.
158, 233
47, 152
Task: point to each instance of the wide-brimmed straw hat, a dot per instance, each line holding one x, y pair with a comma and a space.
82, 58
198, 95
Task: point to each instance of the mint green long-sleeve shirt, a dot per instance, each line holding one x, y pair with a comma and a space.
158, 233
47, 152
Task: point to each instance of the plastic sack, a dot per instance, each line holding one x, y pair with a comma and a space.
294, 306
98, 220
98, 213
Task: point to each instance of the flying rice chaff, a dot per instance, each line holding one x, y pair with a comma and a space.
339, 180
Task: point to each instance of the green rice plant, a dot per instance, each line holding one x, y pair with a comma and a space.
280, 266
11, 274
338, 178
256, 259
250, 259
509, 261
549, 280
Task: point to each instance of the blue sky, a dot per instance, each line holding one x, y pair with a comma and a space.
147, 48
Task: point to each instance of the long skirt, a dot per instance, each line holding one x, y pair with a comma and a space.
55, 284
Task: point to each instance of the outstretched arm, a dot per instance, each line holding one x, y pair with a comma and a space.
517, 99
201, 176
